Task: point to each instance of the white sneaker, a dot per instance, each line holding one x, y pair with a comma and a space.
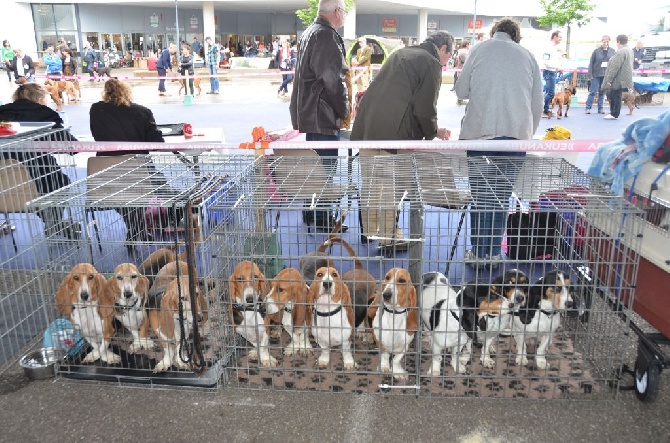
609, 117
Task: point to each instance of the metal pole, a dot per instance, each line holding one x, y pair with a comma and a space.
176, 21
474, 25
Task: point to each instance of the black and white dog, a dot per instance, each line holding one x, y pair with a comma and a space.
442, 314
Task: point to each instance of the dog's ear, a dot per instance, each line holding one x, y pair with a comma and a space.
64, 296
300, 306
413, 314
143, 288
105, 299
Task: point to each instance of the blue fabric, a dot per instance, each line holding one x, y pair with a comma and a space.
161, 82
655, 84
620, 160
164, 61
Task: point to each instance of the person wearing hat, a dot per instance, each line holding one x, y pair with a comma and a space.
212, 60
362, 60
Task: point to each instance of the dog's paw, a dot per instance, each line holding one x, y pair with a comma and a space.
181, 365
434, 371
323, 363
541, 363
488, 363
162, 366
111, 358
253, 354
521, 361
268, 361
290, 351
400, 375
350, 365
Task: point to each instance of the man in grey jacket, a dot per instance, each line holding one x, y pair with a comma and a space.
502, 81
618, 76
597, 66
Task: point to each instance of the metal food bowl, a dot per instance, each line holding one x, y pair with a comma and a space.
40, 364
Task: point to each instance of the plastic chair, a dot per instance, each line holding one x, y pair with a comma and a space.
17, 188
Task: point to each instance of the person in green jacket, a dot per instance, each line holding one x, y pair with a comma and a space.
6, 56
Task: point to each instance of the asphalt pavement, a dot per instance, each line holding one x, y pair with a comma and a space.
61, 410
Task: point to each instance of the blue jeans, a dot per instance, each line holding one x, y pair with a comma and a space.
550, 88
287, 78
329, 161
491, 184
213, 81
596, 84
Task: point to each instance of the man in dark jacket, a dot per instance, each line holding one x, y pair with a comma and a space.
163, 64
88, 59
400, 104
320, 100
597, 66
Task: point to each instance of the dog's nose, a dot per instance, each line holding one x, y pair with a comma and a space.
387, 295
327, 285
569, 304
200, 318
519, 299
85, 295
250, 299
127, 294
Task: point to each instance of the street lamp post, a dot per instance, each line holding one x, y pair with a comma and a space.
474, 25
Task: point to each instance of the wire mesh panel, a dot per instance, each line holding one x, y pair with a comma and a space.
406, 295
138, 295
25, 174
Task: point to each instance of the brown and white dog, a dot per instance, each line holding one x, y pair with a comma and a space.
488, 307
166, 323
82, 297
288, 300
332, 316
396, 321
129, 291
246, 288
563, 99
549, 297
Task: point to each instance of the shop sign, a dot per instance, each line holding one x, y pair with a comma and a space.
153, 20
478, 24
389, 25
194, 22
432, 25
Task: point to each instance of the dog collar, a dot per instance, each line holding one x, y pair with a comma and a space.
247, 307
548, 313
391, 311
127, 308
328, 314
287, 309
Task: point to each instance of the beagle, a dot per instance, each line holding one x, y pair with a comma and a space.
488, 308
166, 275
312, 261
129, 291
167, 323
287, 299
395, 324
332, 315
246, 288
157, 259
441, 313
82, 298
548, 298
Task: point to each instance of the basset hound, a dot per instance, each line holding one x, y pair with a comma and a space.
395, 320
331, 316
167, 323
83, 299
548, 299
441, 313
129, 290
246, 288
488, 307
287, 299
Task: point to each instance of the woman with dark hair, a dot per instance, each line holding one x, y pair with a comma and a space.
117, 119
29, 105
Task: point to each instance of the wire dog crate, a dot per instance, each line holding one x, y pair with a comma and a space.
25, 174
161, 217
409, 216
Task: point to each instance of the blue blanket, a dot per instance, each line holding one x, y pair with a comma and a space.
618, 161
654, 84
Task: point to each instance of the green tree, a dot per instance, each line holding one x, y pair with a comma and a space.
565, 13
308, 14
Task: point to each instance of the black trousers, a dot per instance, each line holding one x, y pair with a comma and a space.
614, 97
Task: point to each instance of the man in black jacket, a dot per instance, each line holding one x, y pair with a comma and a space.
320, 101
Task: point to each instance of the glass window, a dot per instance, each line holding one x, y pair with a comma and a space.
64, 16
44, 18
92, 38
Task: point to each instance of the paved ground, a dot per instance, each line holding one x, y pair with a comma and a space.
64, 411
